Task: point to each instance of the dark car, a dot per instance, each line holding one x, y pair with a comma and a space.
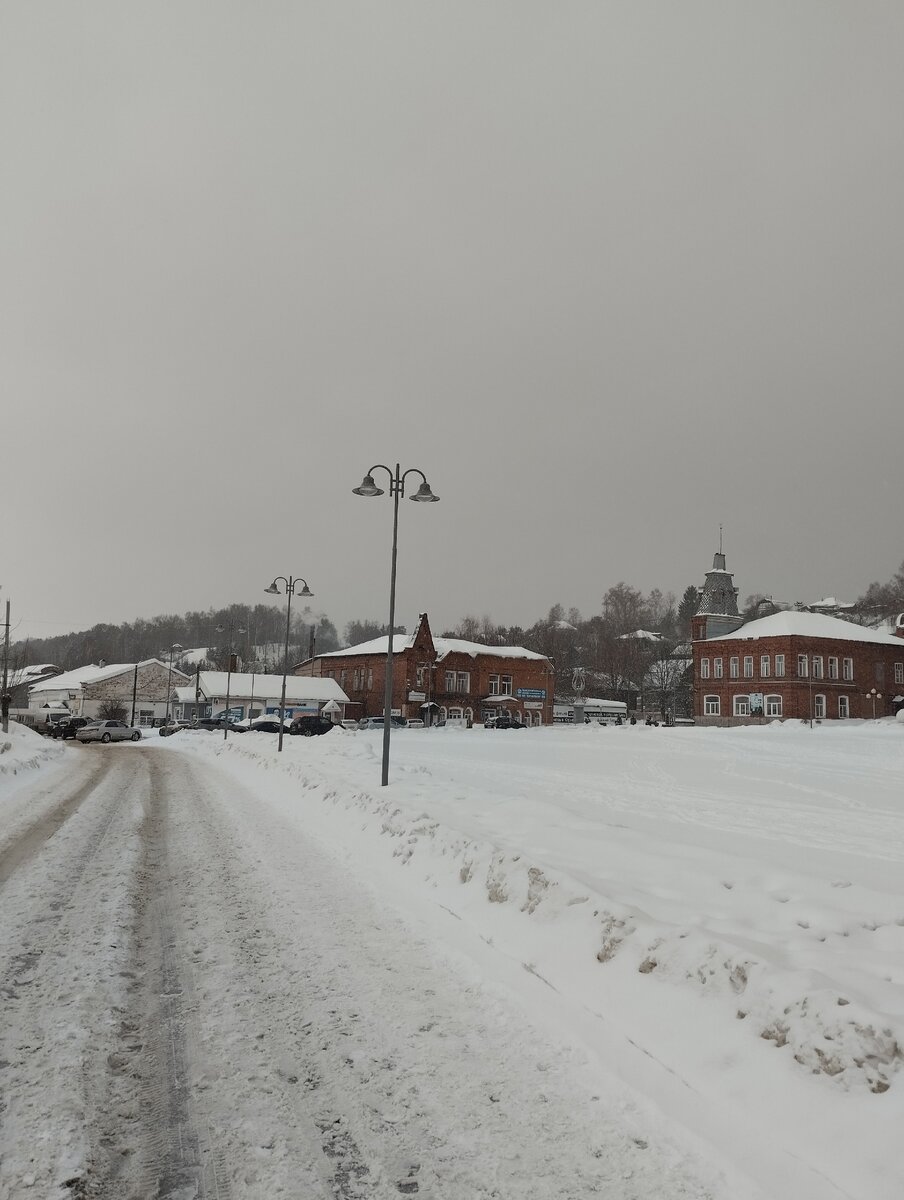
69, 728
310, 726
505, 721
264, 725
218, 722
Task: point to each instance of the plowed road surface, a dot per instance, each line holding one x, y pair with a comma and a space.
195, 1002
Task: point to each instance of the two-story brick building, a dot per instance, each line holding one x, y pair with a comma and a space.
442, 678
796, 664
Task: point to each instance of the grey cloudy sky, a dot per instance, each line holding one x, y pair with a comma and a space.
610, 273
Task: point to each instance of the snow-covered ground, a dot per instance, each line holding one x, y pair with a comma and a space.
708, 923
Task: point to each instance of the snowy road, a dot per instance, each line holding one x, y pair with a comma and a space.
198, 1001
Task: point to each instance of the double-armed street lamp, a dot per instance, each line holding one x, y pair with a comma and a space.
291, 583
424, 496
230, 630
169, 684
873, 695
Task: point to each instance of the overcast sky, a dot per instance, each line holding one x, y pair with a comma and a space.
611, 274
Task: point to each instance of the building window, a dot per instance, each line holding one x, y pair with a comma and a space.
733, 667
450, 681
844, 709
880, 672
463, 682
508, 685
342, 678
704, 668
819, 707
355, 679
802, 666
764, 666
455, 714
717, 668
779, 666
420, 679
817, 666
748, 666
742, 706
773, 706
711, 706
494, 686
847, 668
370, 677
899, 672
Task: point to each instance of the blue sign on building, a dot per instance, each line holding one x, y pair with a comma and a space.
531, 693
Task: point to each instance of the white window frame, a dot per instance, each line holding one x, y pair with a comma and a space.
779, 666
463, 681
711, 706
734, 666
764, 666
508, 685
748, 666
899, 672
740, 706
717, 668
494, 688
844, 708
833, 667
819, 707
847, 669
803, 666
817, 667
773, 705
449, 681
704, 668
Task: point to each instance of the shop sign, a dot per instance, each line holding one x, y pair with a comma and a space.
531, 693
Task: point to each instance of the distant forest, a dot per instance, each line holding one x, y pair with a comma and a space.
257, 635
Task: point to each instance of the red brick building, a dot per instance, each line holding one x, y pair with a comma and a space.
796, 665
442, 678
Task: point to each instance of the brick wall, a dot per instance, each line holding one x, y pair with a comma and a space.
874, 666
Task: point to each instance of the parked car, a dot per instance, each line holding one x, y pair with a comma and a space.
170, 727
377, 722
506, 721
218, 722
310, 726
69, 728
265, 725
108, 731
349, 724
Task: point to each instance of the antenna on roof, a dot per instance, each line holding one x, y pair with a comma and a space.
720, 539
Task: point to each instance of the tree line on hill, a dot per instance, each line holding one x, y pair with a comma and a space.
635, 641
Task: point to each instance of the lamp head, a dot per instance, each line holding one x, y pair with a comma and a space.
368, 487
305, 591
424, 495
272, 590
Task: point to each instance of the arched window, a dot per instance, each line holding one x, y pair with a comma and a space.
711, 706
742, 706
773, 706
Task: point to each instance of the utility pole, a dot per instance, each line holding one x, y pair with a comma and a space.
4, 694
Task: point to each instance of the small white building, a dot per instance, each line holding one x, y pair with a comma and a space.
140, 686
251, 696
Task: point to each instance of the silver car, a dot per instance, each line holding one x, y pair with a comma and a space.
108, 731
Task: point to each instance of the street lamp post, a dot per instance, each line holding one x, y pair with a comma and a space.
274, 590
231, 630
423, 495
873, 695
169, 683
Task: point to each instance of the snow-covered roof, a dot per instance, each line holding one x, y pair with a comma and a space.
34, 672
643, 635
808, 624
73, 680
298, 687
443, 646
830, 602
